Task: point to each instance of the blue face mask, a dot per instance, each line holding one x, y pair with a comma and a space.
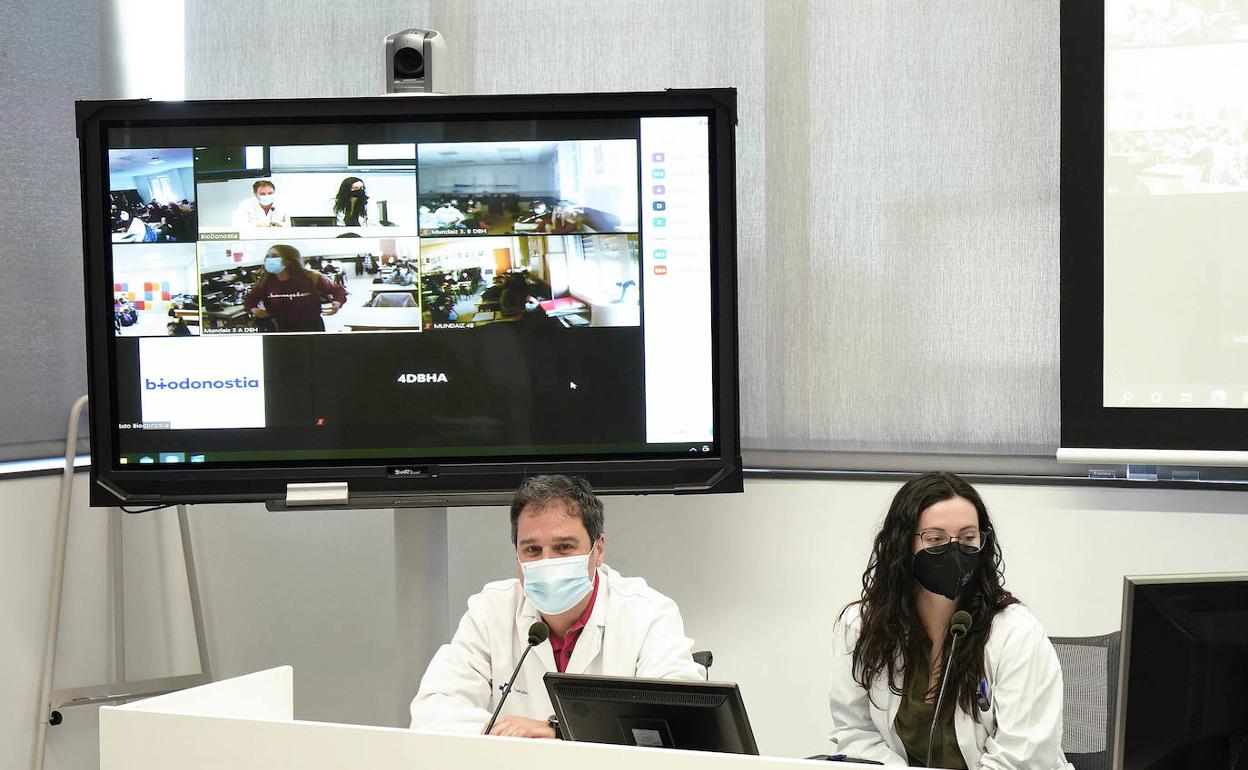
273, 265
556, 585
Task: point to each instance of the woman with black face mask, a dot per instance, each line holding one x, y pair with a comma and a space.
351, 207
936, 563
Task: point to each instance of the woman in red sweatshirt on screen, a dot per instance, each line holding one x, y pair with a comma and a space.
290, 294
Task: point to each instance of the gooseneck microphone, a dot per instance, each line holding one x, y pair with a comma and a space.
538, 633
959, 624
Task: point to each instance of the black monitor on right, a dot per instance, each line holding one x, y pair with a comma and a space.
658, 713
1183, 683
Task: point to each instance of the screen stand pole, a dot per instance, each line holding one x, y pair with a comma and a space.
50, 701
422, 596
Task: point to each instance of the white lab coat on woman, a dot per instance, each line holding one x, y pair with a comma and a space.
367, 217
1021, 729
632, 630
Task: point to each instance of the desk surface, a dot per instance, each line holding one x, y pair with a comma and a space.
229, 311
1185, 171
381, 317
384, 288
246, 724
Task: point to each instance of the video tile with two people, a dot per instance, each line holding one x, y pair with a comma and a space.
501, 188
151, 196
343, 284
155, 290
311, 191
542, 281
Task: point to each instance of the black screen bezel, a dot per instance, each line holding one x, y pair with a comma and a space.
449, 481
1085, 421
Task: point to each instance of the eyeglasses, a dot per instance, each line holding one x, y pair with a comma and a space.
938, 541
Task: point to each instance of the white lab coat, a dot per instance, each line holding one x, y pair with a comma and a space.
632, 630
1021, 729
249, 213
367, 217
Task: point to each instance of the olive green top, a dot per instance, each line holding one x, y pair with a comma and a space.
914, 718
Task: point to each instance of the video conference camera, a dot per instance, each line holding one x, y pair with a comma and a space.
416, 62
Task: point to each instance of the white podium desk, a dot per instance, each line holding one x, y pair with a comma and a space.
248, 724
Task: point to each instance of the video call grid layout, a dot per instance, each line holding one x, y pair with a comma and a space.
527, 215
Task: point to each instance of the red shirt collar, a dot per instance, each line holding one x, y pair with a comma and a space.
563, 646
580, 622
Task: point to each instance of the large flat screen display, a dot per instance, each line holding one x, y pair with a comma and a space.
1176, 204
421, 297
1154, 198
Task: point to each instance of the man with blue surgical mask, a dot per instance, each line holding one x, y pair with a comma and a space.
260, 209
600, 622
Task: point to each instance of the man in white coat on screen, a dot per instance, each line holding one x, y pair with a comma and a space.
600, 622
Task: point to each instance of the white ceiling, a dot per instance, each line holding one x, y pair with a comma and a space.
481, 153
132, 257
144, 162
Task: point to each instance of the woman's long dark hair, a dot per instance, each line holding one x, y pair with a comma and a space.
342, 202
891, 633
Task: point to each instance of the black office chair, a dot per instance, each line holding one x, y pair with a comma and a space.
1089, 697
704, 658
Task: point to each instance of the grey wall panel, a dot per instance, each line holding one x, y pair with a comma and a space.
923, 314
259, 49
779, 315
42, 344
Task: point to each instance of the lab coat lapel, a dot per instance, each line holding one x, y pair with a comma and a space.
542, 653
589, 643
545, 656
882, 693
964, 730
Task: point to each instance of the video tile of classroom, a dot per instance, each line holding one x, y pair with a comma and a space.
552, 281
154, 290
379, 275
312, 186
1178, 160
501, 188
1172, 128
151, 196
1174, 23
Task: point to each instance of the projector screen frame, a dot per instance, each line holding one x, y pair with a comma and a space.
1087, 425
407, 482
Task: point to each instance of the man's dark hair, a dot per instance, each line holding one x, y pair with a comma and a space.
263, 183
572, 491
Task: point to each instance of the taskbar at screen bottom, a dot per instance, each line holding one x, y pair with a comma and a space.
175, 456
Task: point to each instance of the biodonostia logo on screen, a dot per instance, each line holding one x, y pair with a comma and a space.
203, 382
186, 383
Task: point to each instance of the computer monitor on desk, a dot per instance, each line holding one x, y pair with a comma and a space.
314, 221
1183, 685
661, 713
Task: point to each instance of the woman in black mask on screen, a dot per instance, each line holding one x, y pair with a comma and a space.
934, 575
351, 204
